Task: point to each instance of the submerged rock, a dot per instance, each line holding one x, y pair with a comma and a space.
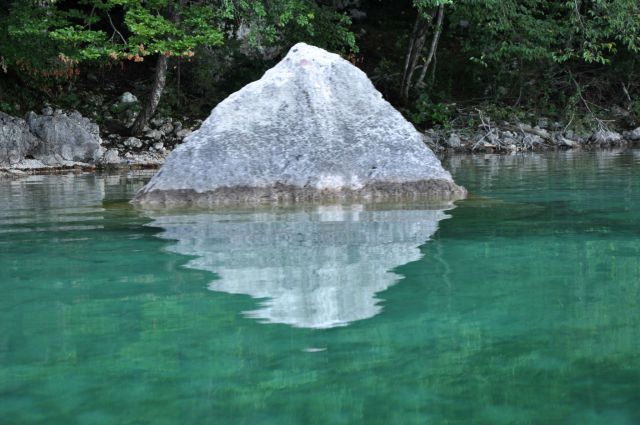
313, 127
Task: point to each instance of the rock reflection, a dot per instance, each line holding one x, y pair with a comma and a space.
61, 202
314, 268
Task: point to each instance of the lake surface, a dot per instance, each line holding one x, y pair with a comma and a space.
519, 305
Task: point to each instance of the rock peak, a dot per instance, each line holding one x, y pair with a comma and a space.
312, 128
304, 51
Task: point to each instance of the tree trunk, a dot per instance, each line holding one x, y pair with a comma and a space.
409, 55
151, 103
434, 46
159, 80
416, 43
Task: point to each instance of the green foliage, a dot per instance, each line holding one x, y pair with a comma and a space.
426, 112
518, 55
39, 33
24, 41
170, 28
557, 31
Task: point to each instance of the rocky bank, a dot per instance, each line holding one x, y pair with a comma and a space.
57, 140
513, 137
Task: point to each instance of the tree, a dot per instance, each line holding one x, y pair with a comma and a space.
102, 31
428, 11
565, 45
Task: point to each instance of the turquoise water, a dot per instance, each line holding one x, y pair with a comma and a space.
518, 306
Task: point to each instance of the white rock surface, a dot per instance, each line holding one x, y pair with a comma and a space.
313, 127
128, 97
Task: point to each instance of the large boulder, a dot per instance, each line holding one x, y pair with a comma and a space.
312, 128
16, 141
65, 137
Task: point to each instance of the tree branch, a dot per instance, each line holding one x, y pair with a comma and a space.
434, 46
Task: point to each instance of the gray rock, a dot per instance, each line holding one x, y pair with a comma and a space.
158, 146
563, 141
157, 122
493, 139
531, 140
543, 123
145, 159
606, 137
633, 134
154, 134
128, 98
166, 128
65, 137
181, 134
16, 141
177, 126
111, 157
454, 141
133, 142
47, 110
312, 128
542, 132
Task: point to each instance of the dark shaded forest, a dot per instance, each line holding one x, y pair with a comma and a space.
441, 62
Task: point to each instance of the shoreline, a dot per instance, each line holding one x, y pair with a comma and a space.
60, 141
441, 151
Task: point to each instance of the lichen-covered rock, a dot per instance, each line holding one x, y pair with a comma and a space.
16, 141
312, 128
65, 137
